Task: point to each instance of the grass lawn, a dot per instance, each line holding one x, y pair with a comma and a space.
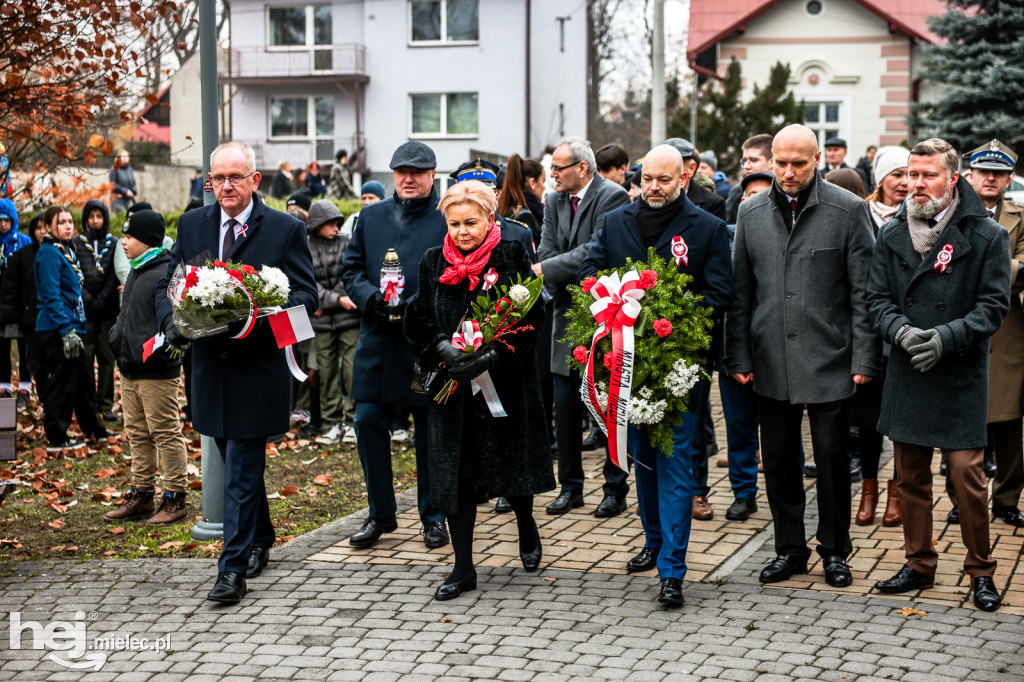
58, 509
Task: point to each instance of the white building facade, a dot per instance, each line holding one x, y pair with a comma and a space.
491, 76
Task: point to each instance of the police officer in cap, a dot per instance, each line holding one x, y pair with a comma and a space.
991, 167
487, 173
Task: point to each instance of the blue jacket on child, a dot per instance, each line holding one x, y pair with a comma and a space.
59, 291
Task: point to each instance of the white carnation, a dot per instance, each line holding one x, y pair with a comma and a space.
641, 411
275, 282
682, 378
213, 287
519, 294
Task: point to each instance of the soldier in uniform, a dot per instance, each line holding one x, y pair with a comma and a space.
991, 167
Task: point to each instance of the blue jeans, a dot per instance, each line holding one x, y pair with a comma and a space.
246, 511
740, 410
664, 486
373, 440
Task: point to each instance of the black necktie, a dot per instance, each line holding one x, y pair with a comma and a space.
932, 222
229, 239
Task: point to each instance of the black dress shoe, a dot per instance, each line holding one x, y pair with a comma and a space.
452, 590
954, 515
371, 531
595, 440
989, 464
644, 561
906, 580
781, 568
740, 510
258, 558
671, 592
565, 501
837, 572
944, 464
810, 470
229, 588
435, 534
610, 506
531, 559
502, 506
986, 596
1011, 515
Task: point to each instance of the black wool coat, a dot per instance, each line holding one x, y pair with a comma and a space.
511, 453
946, 406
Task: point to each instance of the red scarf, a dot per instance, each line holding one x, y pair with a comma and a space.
472, 263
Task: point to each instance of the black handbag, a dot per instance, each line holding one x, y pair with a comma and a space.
430, 381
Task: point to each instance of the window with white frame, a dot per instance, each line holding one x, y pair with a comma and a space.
444, 21
298, 26
825, 119
444, 115
301, 117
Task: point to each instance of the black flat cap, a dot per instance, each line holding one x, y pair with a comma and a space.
685, 147
835, 142
413, 154
760, 175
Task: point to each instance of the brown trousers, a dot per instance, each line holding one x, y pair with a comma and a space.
154, 431
914, 466
1006, 440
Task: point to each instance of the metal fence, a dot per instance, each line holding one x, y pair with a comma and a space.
261, 61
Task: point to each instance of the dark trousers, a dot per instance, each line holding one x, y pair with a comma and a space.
914, 466
24, 372
569, 437
865, 409
373, 440
740, 409
33, 358
246, 511
781, 455
69, 389
1006, 440
97, 345
665, 486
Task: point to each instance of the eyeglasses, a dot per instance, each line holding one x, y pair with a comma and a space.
219, 180
559, 169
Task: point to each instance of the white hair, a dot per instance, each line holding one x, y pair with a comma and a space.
580, 151
250, 161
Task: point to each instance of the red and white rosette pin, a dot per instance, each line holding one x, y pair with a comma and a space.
679, 251
944, 258
616, 309
490, 279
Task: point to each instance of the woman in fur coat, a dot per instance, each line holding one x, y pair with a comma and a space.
508, 455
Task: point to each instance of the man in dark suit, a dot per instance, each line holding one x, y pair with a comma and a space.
570, 215
664, 480
240, 388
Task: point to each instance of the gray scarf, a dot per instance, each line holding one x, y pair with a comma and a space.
924, 235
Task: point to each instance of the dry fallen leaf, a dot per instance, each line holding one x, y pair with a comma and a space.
56, 523
446, 620
168, 545
117, 531
908, 611
289, 490
323, 479
105, 473
551, 579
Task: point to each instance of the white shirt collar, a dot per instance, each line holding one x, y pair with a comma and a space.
583, 191
241, 217
938, 216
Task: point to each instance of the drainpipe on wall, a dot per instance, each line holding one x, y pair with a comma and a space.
526, 147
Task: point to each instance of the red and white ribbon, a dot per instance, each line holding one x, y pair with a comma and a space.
943, 259
289, 327
469, 337
472, 337
679, 251
392, 287
490, 279
250, 321
616, 309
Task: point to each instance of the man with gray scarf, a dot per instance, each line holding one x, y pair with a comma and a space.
939, 288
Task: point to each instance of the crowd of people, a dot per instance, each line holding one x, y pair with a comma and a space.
868, 299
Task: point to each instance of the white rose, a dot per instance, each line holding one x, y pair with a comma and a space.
519, 294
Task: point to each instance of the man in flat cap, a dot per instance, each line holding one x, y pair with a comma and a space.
410, 223
835, 154
991, 167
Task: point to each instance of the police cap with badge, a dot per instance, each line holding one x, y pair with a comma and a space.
994, 156
477, 169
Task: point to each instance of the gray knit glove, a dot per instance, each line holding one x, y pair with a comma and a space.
908, 336
73, 344
926, 354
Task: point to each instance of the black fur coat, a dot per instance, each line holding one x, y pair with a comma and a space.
512, 456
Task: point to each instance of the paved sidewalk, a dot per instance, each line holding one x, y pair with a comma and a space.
322, 611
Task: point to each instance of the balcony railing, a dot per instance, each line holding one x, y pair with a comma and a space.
269, 153
341, 59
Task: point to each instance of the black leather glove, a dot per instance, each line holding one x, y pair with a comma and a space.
172, 336
448, 355
396, 313
911, 336
926, 354
377, 307
474, 364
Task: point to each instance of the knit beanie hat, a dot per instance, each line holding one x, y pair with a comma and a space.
373, 187
888, 159
301, 197
709, 158
146, 226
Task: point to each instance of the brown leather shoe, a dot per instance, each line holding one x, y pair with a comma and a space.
172, 509
702, 511
722, 463
868, 502
893, 515
137, 504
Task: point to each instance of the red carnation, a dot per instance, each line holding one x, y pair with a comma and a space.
237, 274
609, 362
191, 279
248, 269
580, 353
219, 264
648, 278
588, 284
502, 305
662, 327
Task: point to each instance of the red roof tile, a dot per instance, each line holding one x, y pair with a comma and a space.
711, 21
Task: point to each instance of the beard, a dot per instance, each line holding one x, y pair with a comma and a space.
931, 208
657, 202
